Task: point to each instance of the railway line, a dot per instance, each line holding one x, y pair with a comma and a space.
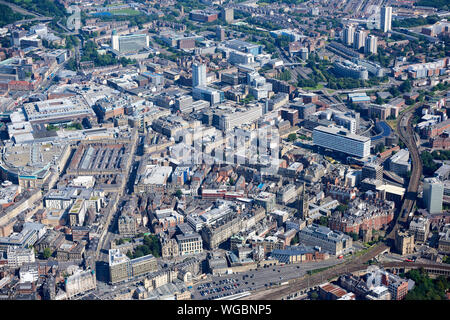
407, 136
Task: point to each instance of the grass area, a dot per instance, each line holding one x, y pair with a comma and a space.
317, 87
311, 272
362, 252
128, 11
73, 126
52, 127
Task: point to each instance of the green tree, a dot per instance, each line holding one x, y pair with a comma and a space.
178, 193
47, 253
323, 221
342, 208
354, 236
314, 295
292, 137
405, 86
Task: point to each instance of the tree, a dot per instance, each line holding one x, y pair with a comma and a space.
354, 236
379, 100
314, 295
292, 137
47, 253
323, 221
379, 148
342, 208
295, 239
178, 193
405, 86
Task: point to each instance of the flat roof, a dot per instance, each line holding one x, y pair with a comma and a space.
337, 131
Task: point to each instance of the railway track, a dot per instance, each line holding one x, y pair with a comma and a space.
407, 136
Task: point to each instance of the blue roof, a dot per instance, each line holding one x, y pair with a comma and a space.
386, 131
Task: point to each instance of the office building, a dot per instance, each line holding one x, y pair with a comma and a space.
305, 110
198, 75
189, 243
420, 228
203, 15
371, 44
341, 140
433, 192
334, 242
237, 57
243, 46
372, 170
386, 19
213, 96
399, 163
18, 256
122, 268
80, 282
290, 115
130, 42
127, 225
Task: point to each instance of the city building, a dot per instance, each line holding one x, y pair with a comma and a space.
399, 163
334, 242
371, 45
404, 242
420, 228
227, 14
203, 15
122, 268
198, 75
433, 192
130, 42
189, 243
360, 39
18, 256
372, 170
349, 34
347, 68
386, 19
339, 139
298, 254
80, 282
